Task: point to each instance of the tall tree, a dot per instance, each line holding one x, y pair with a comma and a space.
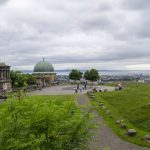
91, 75
86, 75
75, 75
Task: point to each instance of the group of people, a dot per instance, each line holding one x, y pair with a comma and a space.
118, 87
81, 87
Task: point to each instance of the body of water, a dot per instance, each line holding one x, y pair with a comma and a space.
105, 72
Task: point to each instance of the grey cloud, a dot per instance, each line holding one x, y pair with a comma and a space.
98, 23
3, 1
136, 4
74, 31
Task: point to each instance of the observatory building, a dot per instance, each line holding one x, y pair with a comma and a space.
44, 73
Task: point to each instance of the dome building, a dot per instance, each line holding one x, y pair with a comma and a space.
44, 73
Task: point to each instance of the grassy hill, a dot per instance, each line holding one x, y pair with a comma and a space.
131, 106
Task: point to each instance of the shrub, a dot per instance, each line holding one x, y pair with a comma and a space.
43, 123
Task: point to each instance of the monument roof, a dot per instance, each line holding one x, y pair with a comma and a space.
43, 66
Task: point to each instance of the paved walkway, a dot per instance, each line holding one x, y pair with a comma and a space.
65, 90
104, 137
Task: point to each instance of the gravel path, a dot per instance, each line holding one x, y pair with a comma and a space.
67, 89
104, 137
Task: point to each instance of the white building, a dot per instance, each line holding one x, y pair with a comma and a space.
144, 79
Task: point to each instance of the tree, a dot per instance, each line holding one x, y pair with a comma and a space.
91, 75
31, 79
75, 75
21, 80
86, 75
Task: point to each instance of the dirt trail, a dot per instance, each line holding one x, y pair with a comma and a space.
104, 137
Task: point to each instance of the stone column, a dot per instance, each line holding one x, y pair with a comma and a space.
3, 74
7, 74
0, 74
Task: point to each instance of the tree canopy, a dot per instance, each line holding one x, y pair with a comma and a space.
91, 75
75, 74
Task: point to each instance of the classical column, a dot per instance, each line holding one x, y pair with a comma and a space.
0, 74
7, 74
4, 74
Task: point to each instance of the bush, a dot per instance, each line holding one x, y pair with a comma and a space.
21, 80
43, 123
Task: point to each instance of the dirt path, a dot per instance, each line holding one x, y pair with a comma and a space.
104, 137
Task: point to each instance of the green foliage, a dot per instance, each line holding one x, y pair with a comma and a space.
16, 84
30, 79
86, 75
43, 123
21, 80
91, 75
75, 75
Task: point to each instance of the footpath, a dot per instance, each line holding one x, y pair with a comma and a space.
104, 137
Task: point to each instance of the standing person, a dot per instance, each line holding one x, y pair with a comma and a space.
76, 90
83, 87
78, 87
85, 84
116, 87
120, 87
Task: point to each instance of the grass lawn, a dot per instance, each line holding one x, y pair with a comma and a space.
43, 123
131, 106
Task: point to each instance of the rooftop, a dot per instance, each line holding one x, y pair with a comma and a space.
2, 64
43, 67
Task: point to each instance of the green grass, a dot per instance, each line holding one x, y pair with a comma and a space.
131, 106
43, 123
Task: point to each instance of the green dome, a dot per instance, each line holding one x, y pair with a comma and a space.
43, 66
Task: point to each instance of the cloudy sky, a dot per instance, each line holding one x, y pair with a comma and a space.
83, 34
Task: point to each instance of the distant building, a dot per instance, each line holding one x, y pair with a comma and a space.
144, 79
44, 73
5, 81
